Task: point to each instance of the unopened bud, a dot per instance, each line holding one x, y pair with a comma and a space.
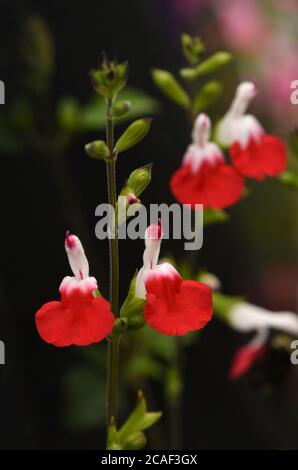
207, 96
133, 134
192, 47
168, 84
97, 149
139, 179
213, 63
121, 108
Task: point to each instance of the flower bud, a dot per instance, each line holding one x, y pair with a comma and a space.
188, 73
97, 149
213, 63
133, 134
139, 179
168, 84
121, 108
192, 48
207, 96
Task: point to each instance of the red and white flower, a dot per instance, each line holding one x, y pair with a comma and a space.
173, 306
246, 318
204, 177
253, 152
79, 318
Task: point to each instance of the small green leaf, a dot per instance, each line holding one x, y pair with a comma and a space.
168, 84
213, 63
133, 134
131, 425
139, 420
149, 419
207, 96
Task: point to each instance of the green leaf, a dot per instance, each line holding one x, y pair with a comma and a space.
139, 420
133, 134
132, 424
207, 96
168, 84
213, 63
149, 419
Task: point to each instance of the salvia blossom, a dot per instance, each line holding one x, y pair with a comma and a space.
80, 318
246, 318
173, 306
253, 152
204, 177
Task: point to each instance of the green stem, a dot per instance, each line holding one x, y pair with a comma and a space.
113, 344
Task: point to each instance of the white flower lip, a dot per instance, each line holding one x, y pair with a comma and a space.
236, 126
246, 317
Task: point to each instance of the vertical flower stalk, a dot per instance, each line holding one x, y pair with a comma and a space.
113, 343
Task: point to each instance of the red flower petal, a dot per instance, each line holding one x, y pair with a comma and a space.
176, 307
216, 186
267, 157
244, 359
62, 325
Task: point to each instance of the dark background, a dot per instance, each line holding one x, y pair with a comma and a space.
36, 210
